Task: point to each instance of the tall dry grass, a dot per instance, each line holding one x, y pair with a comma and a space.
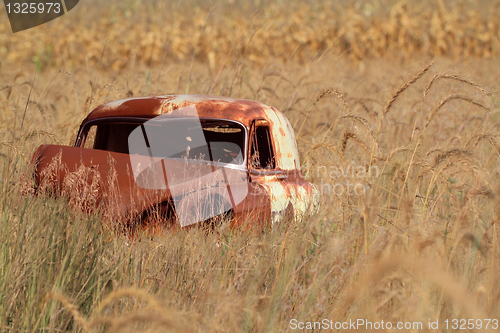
420, 244
152, 32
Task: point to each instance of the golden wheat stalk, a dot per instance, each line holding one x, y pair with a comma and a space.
320, 97
404, 87
456, 78
71, 308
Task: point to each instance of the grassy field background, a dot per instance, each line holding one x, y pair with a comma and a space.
406, 90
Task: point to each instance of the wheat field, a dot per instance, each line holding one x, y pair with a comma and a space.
395, 106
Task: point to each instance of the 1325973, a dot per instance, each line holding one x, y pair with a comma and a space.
471, 324
33, 7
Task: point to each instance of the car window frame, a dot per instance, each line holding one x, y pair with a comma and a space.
262, 172
85, 127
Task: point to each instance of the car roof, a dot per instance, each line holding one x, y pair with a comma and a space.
242, 110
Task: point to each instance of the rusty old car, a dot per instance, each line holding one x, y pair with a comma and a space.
181, 160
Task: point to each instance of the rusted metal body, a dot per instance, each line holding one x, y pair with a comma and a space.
260, 184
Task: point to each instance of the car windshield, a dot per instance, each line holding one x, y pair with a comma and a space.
193, 138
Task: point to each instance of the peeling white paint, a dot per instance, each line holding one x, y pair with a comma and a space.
286, 147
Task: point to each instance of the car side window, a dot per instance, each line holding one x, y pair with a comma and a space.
90, 137
262, 154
